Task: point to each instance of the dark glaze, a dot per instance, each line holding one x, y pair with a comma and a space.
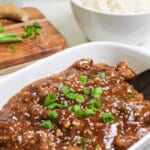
21, 117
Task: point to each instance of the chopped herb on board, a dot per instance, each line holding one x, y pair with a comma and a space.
14, 47
1, 28
32, 31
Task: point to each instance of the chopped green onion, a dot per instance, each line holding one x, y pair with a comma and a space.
53, 114
86, 90
32, 30
1, 29
83, 79
37, 31
97, 92
8, 35
50, 99
72, 90
75, 108
37, 25
55, 105
10, 39
88, 112
65, 103
65, 90
80, 113
14, 47
80, 99
71, 95
95, 105
108, 118
47, 124
26, 34
102, 75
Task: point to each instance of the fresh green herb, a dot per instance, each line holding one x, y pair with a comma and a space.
65, 90
86, 90
75, 108
32, 30
53, 114
65, 103
47, 124
88, 112
95, 105
72, 90
55, 105
14, 47
37, 25
37, 31
9, 38
97, 92
80, 113
71, 95
108, 118
102, 75
50, 99
83, 79
80, 99
1, 28
4, 35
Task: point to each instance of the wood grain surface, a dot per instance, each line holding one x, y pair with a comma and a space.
49, 42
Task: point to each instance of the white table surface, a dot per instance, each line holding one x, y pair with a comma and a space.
60, 15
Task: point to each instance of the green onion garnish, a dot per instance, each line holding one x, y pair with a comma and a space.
65, 90
14, 47
53, 114
9, 38
97, 92
83, 79
80, 113
108, 118
86, 90
50, 99
75, 108
32, 30
71, 95
88, 112
80, 99
102, 75
1, 28
65, 103
95, 105
55, 105
47, 124
37, 25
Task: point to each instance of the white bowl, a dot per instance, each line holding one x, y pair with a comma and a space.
130, 29
106, 52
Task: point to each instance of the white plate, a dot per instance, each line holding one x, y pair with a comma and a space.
106, 52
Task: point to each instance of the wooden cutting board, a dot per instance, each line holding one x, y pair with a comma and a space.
49, 42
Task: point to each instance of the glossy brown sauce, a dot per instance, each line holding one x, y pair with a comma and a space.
22, 116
